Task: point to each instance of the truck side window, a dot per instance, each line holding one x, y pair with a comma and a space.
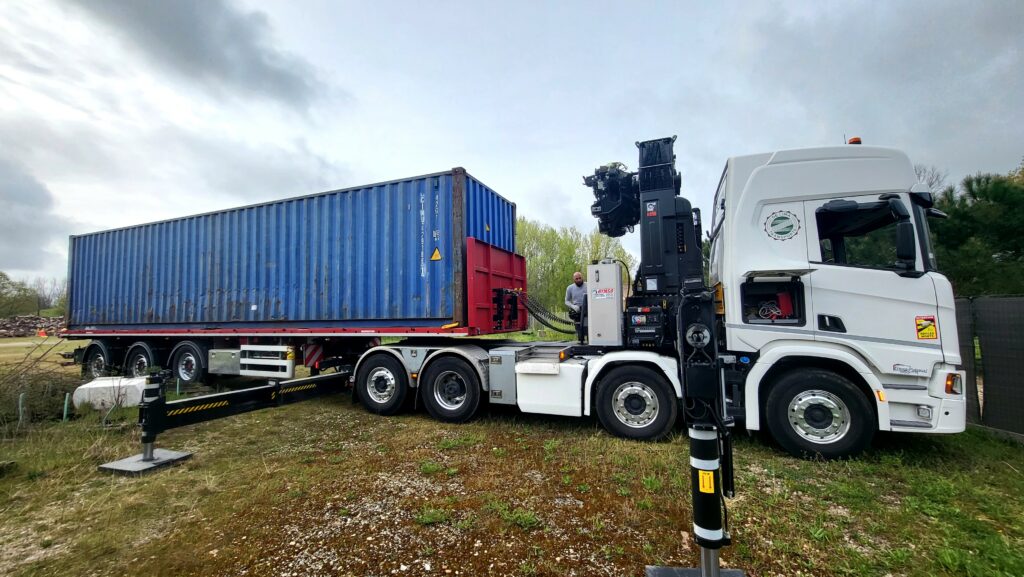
857, 234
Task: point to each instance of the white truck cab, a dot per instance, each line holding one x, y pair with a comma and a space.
828, 280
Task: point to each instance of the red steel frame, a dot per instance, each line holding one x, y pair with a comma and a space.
487, 268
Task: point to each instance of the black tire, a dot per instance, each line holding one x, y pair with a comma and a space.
382, 384
817, 413
450, 390
96, 364
636, 403
187, 365
138, 362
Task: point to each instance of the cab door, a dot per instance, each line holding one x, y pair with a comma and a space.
869, 290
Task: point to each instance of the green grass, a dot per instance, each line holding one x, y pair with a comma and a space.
515, 516
460, 442
432, 516
430, 467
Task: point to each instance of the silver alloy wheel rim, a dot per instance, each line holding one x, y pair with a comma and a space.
809, 426
450, 390
187, 366
627, 407
97, 366
139, 365
390, 385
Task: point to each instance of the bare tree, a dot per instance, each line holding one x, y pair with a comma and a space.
50, 291
931, 175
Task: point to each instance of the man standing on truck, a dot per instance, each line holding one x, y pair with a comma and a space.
576, 299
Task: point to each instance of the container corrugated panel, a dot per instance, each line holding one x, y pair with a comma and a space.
388, 254
489, 216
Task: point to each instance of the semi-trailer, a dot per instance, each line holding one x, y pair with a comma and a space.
830, 319
254, 290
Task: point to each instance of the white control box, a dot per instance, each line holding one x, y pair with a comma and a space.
604, 303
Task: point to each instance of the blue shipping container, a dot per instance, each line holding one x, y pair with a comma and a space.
382, 255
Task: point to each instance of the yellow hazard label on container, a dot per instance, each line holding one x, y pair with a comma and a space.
926, 328
436, 254
706, 481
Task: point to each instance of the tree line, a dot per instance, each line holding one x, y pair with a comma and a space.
554, 254
980, 247
32, 297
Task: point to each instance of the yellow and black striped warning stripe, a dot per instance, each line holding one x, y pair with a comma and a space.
185, 410
298, 388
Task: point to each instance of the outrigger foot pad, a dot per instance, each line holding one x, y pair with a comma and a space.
136, 466
653, 571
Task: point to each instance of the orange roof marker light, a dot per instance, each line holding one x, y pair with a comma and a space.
854, 140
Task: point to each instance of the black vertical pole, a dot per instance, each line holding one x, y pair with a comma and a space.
152, 413
706, 487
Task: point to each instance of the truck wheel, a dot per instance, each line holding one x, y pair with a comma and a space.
95, 365
381, 384
188, 365
819, 413
636, 403
450, 390
138, 362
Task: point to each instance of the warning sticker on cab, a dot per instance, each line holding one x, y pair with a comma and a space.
706, 481
926, 328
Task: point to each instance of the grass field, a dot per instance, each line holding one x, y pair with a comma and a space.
323, 488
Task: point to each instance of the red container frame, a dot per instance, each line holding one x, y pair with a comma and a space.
487, 268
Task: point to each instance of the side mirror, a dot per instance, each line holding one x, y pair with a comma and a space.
906, 243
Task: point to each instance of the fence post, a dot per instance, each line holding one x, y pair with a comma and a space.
966, 327
1000, 324
21, 409
67, 403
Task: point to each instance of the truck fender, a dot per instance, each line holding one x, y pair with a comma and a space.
476, 356
105, 349
386, 349
158, 361
596, 367
775, 352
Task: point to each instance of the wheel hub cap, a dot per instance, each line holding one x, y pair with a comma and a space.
97, 366
635, 404
819, 416
187, 367
381, 385
140, 366
450, 390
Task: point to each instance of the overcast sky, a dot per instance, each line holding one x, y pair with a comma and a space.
115, 113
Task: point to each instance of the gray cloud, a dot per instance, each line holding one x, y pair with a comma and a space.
28, 223
214, 43
240, 172
941, 79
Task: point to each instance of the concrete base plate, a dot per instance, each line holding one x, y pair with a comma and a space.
652, 571
134, 465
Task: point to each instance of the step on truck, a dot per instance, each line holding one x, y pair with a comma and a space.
820, 316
